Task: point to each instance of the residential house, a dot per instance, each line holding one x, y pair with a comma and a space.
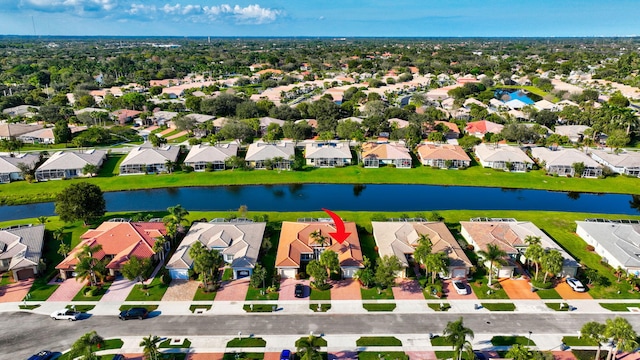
481, 128
266, 121
505, 157
260, 154
12, 131
46, 135
374, 154
618, 242
69, 164
9, 170
444, 156
453, 131
21, 250
163, 117
21, 110
400, 239
510, 236
237, 241
149, 160
627, 163
120, 240
398, 123
200, 156
124, 116
328, 154
298, 245
561, 162
575, 133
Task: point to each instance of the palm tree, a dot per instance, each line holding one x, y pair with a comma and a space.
519, 352
175, 219
88, 267
552, 263
206, 262
456, 334
534, 252
595, 331
309, 348
169, 165
435, 263
83, 347
150, 347
159, 246
622, 335
494, 255
423, 249
319, 239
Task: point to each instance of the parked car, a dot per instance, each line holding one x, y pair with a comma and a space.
117, 357
66, 314
285, 355
576, 285
134, 313
479, 355
299, 291
42, 355
460, 287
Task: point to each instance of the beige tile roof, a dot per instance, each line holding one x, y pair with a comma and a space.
442, 152
385, 151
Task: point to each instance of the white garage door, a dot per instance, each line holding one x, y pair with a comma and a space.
288, 273
459, 273
504, 272
349, 273
179, 274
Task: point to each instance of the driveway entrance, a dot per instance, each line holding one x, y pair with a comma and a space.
406, 289
15, 292
67, 290
568, 294
234, 290
518, 289
348, 289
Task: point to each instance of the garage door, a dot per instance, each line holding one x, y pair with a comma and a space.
459, 273
504, 272
25, 274
288, 273
179, 274
349, 273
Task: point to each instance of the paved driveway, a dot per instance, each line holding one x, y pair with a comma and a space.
234, 290
119, 290
342, 355
451, 293
67, 290
15, 292
568, 294
181, 290
288, 288
421, 355
348, 289
518, 289
207, 356
564, 355
406, 289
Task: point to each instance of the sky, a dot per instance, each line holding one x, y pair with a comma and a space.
332, 18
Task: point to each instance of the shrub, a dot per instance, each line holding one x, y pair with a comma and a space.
541, 285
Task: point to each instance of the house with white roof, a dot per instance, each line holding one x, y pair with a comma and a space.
500, 156
21, 110
376, 154
21, 250
400, 239
163, 117
260, 154
561, 162
238, 242
618, 242
148, 160
627, 163
266, 121
69, 164
328, 154
575, 133
9, 170
202, 156
515, 104
546, 105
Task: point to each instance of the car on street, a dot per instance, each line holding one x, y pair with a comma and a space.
285, 355
42, 355
460, 287
575, 284
134, 313
479, 355
299, 291
66, 314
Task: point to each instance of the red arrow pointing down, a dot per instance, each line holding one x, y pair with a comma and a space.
340, 235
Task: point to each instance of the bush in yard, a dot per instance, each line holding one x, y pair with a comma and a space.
541, 284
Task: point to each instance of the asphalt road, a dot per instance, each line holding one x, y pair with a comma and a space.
23, 334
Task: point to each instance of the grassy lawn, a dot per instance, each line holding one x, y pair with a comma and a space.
511, 340
28, 307
376, 294
499, 306
323, 307
259, 307
576, 341
247, 342
255, 294
548, 294
386, 355
167, 344
201, 295
40, 290
227, 275
321, 341
153, 292
379, 307
437, 307
378, 341
556, 306
440, 341
149, 308
5, 279
193, 308
81, 308
619, 306
96, 294
111, 166
484, 292
588, 354
320, 294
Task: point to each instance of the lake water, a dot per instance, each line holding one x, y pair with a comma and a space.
314, 197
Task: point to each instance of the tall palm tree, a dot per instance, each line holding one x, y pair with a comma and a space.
435, 263
150, 347
83, 347
309, 348
622, 335
159, 246
177, 216
319, 239
552, 263
595, 331
534, 252
494, 255
423, 249
88, 267
456, 334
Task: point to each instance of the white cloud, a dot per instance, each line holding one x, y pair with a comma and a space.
251, 14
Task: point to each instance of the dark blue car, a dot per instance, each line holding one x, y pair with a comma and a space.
285, 355
42, 355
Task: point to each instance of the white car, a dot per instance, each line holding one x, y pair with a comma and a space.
460, 287
576, 285
66, 314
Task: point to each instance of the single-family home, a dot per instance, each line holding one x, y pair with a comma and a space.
328, 154
398, 123
21, 250
444, 156
266, 121
201, 156
400, 239
452, 132
374, 154
618, 242
261, 154
46, 135
9, 170
501, 156
12, 131
575, 133
627, 163
303, 241
482, 127
562, 162
238, 242
124, 116
21, 110
163, 117
510, 236
69, 164
149, 160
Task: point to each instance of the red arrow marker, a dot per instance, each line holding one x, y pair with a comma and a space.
340, 235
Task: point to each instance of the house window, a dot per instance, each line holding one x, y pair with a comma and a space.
306, 257
228, 258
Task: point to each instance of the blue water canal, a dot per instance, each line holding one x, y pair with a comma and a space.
313, 197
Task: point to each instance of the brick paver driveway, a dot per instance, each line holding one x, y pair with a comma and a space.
406, 289
207, 356
563, 355
288, 288
568, 294
451, 294
181, 290
518, 289
15, 292
234, 290
421, 355
272, 356
348, 289
67, 290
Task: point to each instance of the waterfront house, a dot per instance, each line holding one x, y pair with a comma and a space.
618, 242
505, 157
261, 154
149, 160
443, 156
9, 170
626, 163
201, 156
376, 154
328, 154
561, 162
